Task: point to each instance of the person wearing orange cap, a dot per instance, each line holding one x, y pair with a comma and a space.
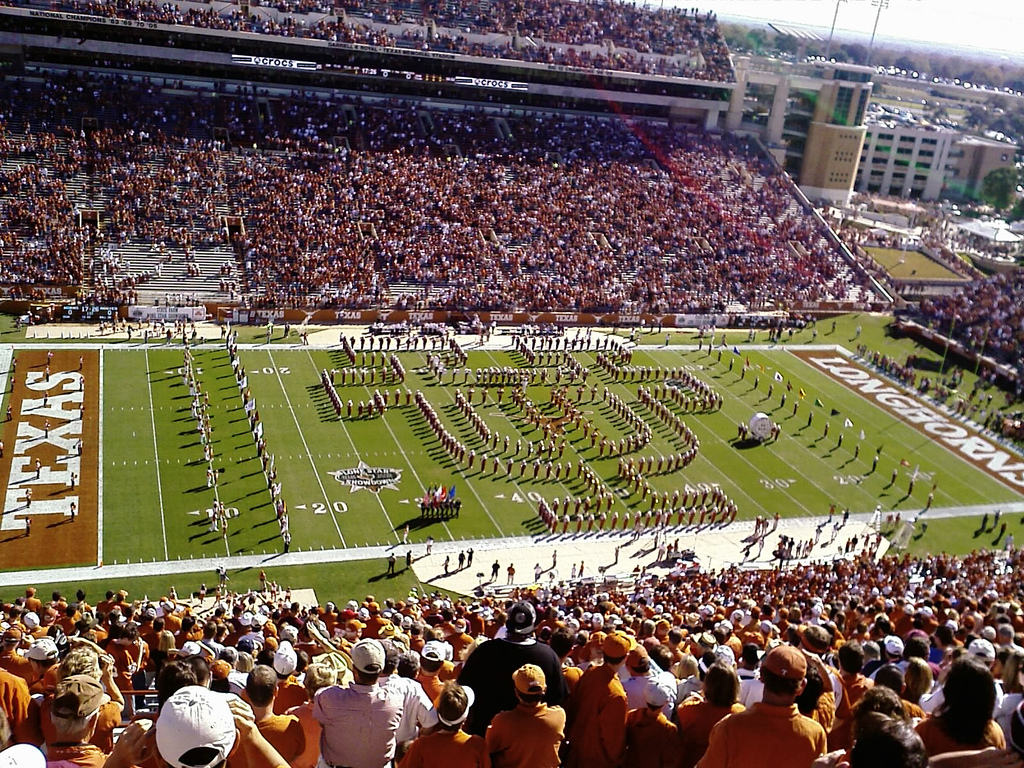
597, 711
530, 735
773, 726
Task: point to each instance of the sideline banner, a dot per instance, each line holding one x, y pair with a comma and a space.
137, 312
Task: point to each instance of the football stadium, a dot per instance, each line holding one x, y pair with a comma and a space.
399, 383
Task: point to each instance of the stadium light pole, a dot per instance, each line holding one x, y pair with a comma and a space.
949, 339
881, 5
835, 16
981, 354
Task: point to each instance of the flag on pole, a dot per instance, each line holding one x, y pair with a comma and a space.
818, 403
835, 411
736, 351
802, 393
862, 434
847, 423
917, 469
778, 376
904, 463
451, 493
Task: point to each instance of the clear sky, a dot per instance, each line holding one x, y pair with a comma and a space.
991, 25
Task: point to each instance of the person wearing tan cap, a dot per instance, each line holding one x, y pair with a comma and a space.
772, 728
11, 657
597, 711
530, 735
76, 705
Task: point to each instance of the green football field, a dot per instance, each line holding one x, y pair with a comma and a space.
155, 494
157, 509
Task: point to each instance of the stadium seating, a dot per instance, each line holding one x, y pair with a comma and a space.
456, 208
986, 314
613, 35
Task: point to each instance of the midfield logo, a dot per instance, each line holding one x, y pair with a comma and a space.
370, 478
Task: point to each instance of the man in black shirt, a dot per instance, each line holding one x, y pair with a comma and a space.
488, 670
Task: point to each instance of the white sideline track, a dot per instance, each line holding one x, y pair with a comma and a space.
716, 546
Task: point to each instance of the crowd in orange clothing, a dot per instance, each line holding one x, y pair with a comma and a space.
573, 212
671, 673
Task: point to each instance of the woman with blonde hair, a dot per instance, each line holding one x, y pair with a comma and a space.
917, 680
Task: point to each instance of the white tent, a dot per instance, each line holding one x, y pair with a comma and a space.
993, 231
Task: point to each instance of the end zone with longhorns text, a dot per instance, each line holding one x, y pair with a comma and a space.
958, 437
50, 461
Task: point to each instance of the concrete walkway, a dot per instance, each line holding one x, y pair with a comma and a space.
715, 546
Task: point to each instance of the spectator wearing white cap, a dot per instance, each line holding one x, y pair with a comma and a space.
359, 722
198, 728
449, 745
44, 656
651, 740
418, 713
290, 693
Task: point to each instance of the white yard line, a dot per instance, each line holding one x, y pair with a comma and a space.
355, 450
99, 471
462, 472
156, 456
412, 467
309, 455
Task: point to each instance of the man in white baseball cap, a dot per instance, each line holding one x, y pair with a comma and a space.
198, 728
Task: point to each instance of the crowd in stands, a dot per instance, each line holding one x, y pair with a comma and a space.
698, 669
987, 316
568, 212
669, 41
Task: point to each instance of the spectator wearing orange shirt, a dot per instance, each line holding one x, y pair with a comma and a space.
855, 685
699, 714
76, 706
964, 719
449, 745
290, 693
432, 659
651, 740
530, 735
773, 726
11, 657
597, 711
284, 732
